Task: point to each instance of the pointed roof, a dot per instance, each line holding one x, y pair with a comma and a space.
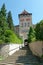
25, 13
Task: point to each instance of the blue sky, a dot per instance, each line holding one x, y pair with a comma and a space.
17, 6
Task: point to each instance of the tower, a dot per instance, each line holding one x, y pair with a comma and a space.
25, 21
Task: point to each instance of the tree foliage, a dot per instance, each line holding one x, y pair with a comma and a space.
10, 21
3, 23
37, 33
39, 30
31, 35
6, 27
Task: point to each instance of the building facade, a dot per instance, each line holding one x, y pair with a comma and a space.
25, 21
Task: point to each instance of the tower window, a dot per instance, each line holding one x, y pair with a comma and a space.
28, 19
25, 24
28, 24
22, 20
21, 24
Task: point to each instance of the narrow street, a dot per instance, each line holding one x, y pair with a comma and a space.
22, 57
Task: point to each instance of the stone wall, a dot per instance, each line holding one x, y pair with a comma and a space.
36, 48
4, 51
13, 48
9, 49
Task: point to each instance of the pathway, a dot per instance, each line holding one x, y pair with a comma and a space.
22, 57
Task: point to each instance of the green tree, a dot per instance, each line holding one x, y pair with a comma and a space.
31, 35
10, 21
6, 27
3, 23
3, 10
39, 30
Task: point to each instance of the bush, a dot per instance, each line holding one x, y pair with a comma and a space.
11, 37
1, 42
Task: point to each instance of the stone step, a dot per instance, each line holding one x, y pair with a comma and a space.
19, 64
28, 63
22, 57
6, 64
10, 63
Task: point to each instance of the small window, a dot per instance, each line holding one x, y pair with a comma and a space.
25, 24
22, 20
28, 19
21, 24
28, 24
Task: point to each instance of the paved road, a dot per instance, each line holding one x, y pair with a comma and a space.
22, 57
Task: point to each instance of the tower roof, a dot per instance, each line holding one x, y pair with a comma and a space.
25, 13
